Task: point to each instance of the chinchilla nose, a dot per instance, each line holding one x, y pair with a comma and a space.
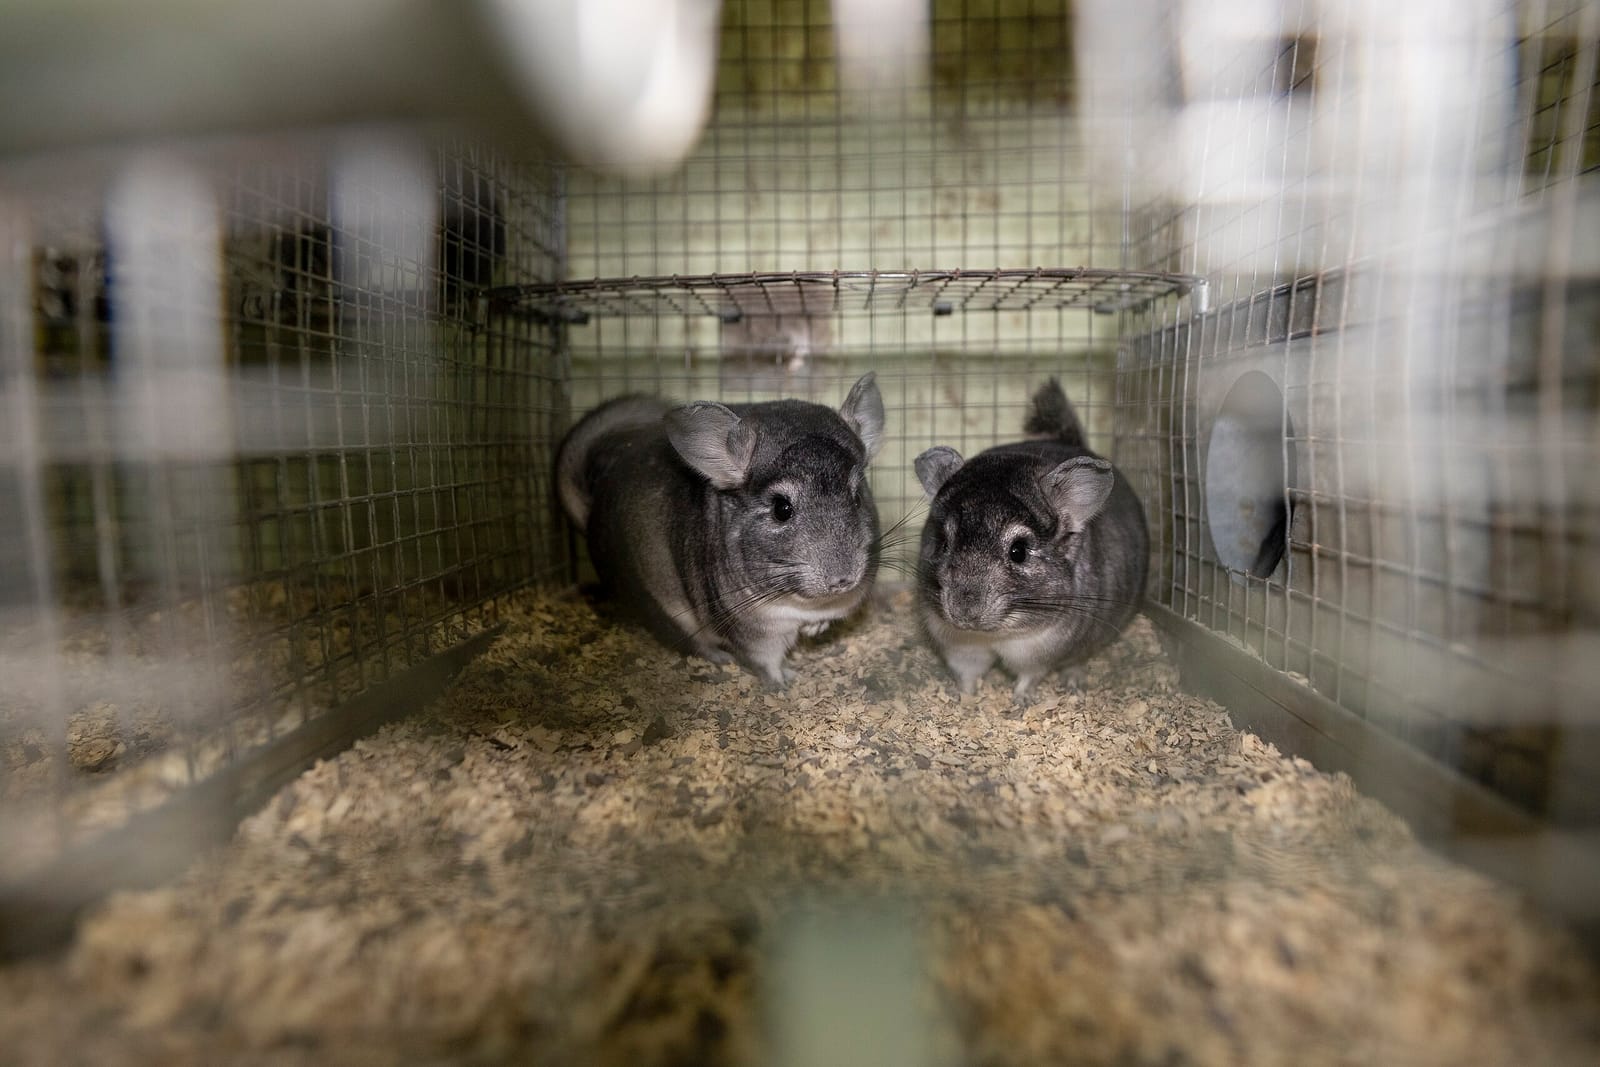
845, 580
843, 574
962, 603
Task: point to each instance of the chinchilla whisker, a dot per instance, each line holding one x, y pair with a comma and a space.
896, 533
1085, 606
1083, 616
1052, 614
727, 610
1069, 602
752, 597
896, 527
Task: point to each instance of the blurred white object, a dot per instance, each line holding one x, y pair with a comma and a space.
849, 987
623, 83
1404, 130
883, 44
384, 210
615, 83
164, 232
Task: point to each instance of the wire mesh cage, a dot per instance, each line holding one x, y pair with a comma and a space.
267, 451
1385, 398
279, 419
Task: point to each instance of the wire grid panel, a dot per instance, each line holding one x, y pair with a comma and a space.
271, 448
972, 161
1403, 272
969, 160
730, 297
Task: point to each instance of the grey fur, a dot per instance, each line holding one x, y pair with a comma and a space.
1087, 550
935, 466
1051, 416
714, 441
613, 417
677, 505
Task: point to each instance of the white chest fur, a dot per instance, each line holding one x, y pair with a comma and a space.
795, 611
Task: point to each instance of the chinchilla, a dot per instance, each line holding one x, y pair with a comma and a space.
729, 530
1033, 552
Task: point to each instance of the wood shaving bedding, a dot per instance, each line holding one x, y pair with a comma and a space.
579, 856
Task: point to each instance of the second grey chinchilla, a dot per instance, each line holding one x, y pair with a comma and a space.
728, 530
1034, 553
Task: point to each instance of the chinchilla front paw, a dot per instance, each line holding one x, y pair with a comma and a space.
775, 677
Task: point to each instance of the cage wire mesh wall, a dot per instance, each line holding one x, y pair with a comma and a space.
1321, 276
1397, 373
964, 163
266, 450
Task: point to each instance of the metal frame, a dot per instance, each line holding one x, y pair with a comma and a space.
730, 297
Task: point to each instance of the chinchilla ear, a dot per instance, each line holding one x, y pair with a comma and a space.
714, 441
1079, 489
862, 411
935, 466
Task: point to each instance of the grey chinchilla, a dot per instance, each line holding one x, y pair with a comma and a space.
1034, 552
728, 530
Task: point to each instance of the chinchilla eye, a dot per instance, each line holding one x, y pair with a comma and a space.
782, 508
1019, 550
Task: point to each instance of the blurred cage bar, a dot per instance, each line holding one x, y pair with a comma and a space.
266, 449
1372, 463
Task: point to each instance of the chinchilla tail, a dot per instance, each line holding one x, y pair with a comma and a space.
1051, 415
572, 458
